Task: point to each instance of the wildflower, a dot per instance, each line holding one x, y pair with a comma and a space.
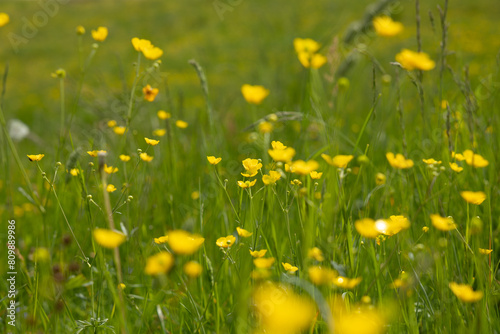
260, 274
246, 184
444, 104
124, 157
4, 19
100, 34
295, 182
315, 175
35, 157
161, 240
443, 223
485, 251
280, 152
110, 188
455, 167
150, 93
213, 160
192, 269
458, 156
465, 293
252, 166
264, 263
162, 114
339, 161
366, 321
271, 178
151, 142
302, 167
265, 127
140, 44
254, 94
393, 225
258, 253
80, 30
309, 60
183, 242
74, 171
425, 229
181, 124
399, 161
431, 161
474, 160
306, 45
110, 169
159, 263
385, 26
41, 254
94, 153
289, 268
367, 228
473, 197
243, 233
152, 53
195, 195
159, 132
108, 238
411, 60
380, 179
225, 242
111, 123
316, 253
319, 275
145, 157
119, 130
121, 286
347, 283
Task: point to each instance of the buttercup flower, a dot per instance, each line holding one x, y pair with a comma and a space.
265, 127
124, 157
213, 160
252, 166
181, 124
431, 161
243, 233
367, 228
152, 53
339, 161
192, 269
315, 175
443, 223
110, 188
380, 179
161, 240
346, 283
159, 132
264, 263
280, 152
74, 171
455, 167
474, 160
385, 26
258, 253
119, 130
110, 169
111, 123
246, 184
316, 253
4, 19
162, 114
150, 93
465, 293
140, 44
35, 157
94, 153
399, 161
411, 60
159, 264
225, 242
254, 94
302, 167
306, 45
80, 30
108, 238
183, 242
151, 142
473, 197
309, 60
320, 275
145, 157
485, 251
271, 178
100, 34
289, 268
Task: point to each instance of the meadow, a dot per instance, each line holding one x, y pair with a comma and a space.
249, 166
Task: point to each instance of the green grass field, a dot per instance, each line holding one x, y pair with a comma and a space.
333, 234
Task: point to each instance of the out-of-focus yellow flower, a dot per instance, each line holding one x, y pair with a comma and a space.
100, 34
108, 238
162, 114
145, 157
254, 94
347, 283
252, 166
399, 161
110, 169
121, 286
159, 132
295, 182
306, 45
393, 225
473, 197
150, 93
151, 142
271, 178
111, 123
280, 310
183, 242
246, 184
260, 274
444, 104
458, 156
41, 254
455, 167
289, 268
152, 53
465, 293
140, 44
243, 233
385, 26
474, 160
264, 263
213, 160
94, 153
80, 30
302, 167
280, 152
316, 253
119, 130
35, 157
359, 321
443, 223
339, 161
161, 240
265, 127
320, 275
181, 124
380, 179
485, 251
192, 269
74, 171
431, 161
195, 195
425, 229
225, 242
110, 188
315, 175
124, 157
411, 60
309, 60
159, 264
4, 19
258, 253
367, 228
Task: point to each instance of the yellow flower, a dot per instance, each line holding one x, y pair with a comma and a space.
367, 227
295, 182
455, 167
243, 233
302, 167
411, 60
159, 132
399, 161
124, 157
289, 268
443, 223
108, 238
162, 114
315, 175
192, 269
111, 124
110, 188
252, 166
339, 161
80, 30
121, 286
159, 264
271, 178
380, 179
213, 160
385, 26
254, 94
110, 169
264, 263
473, 197
444, 104
465, 293
195, 195
145, 157
431, 161
225, 242
474, 160
100, 34
319, 275
316, 253
347, 283
183, 242
485, 251
151, 142
35, 157
4, 19
281, 153
181, 124
152, 52
161, 240
246, 184
425, 229
41, 254
459, 156
74, 171
258, 253
309, 60
94, 153
150, 93
365, 321
277, 145
265, 127
306, 45
140, 44
119, 130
